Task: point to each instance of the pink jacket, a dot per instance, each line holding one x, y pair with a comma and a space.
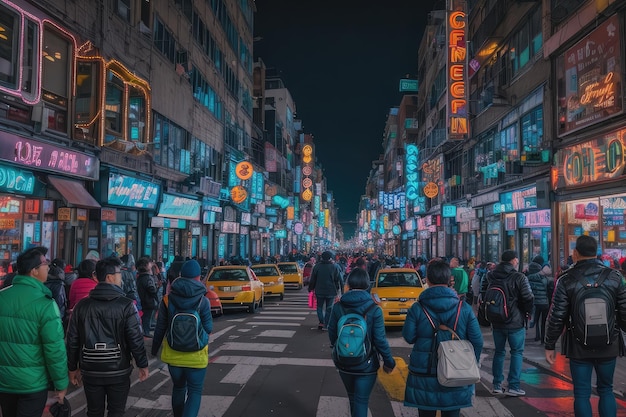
80, 289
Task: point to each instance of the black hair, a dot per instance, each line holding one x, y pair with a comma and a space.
30, 259
107, 266
438, 272
142, 264
86, 268
586, 246
358, 279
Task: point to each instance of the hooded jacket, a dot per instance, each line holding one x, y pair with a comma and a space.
80, 289
107, 318
422, 388
567, 288
56, 284
147, 291
32, 350
358, 301
325, 279
185, 294
521, 299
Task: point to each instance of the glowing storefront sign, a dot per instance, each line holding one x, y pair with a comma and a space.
458, 122
590, 73
180, 207
132, 192
34, 154
16, 180
596, 160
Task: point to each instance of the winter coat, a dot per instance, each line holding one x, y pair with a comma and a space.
147, 290
185, 294
461, 280
80, 289
325, 279
422, 388
538, 284
105, 316
358, 301
568, 287
56, 285
32, 347
521, 299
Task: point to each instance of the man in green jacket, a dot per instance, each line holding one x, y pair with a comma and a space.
461, 280
32, 346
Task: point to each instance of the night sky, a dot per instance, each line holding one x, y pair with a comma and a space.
342, 61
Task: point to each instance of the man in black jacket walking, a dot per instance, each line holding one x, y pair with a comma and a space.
519, 303
103, 334
588, 272
327, 284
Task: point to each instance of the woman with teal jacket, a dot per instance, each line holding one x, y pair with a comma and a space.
442, 304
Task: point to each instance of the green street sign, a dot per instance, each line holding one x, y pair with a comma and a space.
408, 85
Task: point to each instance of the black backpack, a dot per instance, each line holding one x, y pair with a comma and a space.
592, 318
496, 302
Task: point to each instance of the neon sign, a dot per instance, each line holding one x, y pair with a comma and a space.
458, 121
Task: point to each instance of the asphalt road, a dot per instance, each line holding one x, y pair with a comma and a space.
276, 363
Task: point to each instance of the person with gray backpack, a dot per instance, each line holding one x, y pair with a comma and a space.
589, 303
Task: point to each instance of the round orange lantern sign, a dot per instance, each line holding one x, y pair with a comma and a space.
238, 194
431, 190
244, 170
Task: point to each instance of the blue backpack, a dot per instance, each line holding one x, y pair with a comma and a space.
353, 345
185, 332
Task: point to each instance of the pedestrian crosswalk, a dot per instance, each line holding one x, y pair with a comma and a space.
251, 351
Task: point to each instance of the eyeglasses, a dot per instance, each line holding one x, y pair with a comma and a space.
46, 263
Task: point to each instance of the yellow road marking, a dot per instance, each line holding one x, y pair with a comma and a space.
395, 382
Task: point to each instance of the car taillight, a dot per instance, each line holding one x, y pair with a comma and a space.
246, 288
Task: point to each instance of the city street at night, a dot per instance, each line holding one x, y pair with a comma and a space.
276, 363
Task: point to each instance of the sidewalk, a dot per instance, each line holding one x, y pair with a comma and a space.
534, 355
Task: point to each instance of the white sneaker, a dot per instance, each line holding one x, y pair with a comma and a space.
513, 392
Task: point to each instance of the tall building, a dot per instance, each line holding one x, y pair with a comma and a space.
123, 121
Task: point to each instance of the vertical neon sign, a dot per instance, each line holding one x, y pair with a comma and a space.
458, 121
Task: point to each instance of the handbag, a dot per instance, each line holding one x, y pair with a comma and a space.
456, 360
312, 300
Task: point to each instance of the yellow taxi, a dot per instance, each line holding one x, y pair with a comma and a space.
292, 274
236, 286
272, 279
395, 290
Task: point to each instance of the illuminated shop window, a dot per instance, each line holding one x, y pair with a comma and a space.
9, 35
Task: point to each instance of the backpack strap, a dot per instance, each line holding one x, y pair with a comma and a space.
599, 281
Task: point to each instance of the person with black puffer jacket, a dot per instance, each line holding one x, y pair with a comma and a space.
104, 334
56, 285
539, 284
148, 295
327, 283
601, 346
519, 303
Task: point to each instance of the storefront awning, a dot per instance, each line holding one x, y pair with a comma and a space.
73, 192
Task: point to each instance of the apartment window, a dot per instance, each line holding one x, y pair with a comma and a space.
532, 129
136, 115
509, 143
87, 102
187, 8
526, 42
113, 107
9, 36
123, 9
164, 40
56, 69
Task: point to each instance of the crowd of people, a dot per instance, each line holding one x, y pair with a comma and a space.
87, 325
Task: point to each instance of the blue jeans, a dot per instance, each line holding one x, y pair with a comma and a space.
187, 391
516, 338
324, 306
359, 387
581, 376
